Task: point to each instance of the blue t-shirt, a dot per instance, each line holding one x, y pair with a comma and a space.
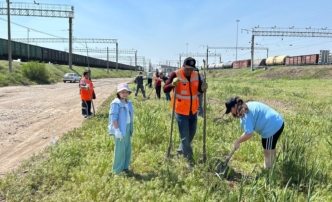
262, 119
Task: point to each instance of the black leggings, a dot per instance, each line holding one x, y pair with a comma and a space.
86, 108
158, 88
271, 142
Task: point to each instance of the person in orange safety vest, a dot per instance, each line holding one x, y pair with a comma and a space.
87, 92
188, 84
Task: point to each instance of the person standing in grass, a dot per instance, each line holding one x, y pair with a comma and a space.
120, 125
139, 84
149, 76
187, 84
164, 78
87, 93
157, 84
256, 116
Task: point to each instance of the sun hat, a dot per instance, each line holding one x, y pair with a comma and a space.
123, 86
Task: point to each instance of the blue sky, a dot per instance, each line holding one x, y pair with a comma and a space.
162, 29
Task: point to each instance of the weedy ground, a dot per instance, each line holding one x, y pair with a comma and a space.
78, 167
54, 72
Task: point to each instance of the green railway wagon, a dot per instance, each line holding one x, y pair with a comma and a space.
32, 52
24, 52
39, 55
3, 49
35, 53
16, 50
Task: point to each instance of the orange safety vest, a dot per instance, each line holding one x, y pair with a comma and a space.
85, 93
183, 96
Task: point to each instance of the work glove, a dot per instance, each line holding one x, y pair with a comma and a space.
118, 134
175, 81
204, 86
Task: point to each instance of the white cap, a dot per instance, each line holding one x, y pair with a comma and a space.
123, 86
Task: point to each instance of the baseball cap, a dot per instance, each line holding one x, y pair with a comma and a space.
189, 62
231, 102
86, 71
123, 86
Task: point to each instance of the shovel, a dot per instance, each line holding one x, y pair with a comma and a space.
150, 94
222, 168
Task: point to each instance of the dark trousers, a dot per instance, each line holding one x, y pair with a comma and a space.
149, 82
168, 97
158, 88
140, 86
86, 108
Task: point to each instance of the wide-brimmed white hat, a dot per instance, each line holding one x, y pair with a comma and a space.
123, 86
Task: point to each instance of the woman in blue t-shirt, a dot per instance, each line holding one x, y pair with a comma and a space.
258, 117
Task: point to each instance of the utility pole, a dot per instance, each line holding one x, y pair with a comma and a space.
9, 39
187, 48
28, 45
237, 28
107, 61
87, 54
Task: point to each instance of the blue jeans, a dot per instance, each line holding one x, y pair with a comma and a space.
168, 97
187, 129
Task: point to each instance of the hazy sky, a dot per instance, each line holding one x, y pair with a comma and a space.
162, 29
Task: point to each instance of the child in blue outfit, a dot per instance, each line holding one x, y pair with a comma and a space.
120, 125
256, 116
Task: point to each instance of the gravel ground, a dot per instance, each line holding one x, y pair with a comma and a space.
31, 115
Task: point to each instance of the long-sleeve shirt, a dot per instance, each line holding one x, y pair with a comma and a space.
157, 81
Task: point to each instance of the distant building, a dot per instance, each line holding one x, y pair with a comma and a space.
166, 69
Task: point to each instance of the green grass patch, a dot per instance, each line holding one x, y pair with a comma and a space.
78, 167
39, 73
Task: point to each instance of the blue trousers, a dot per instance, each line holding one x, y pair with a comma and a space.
187, 129
168, 97
122, 152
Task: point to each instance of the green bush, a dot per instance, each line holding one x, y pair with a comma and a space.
35, 71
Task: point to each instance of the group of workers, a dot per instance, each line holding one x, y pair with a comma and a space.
186, 85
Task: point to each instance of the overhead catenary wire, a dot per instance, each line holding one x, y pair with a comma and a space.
31, 29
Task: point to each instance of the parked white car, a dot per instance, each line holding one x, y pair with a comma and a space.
71, 77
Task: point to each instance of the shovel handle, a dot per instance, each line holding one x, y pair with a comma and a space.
229, 157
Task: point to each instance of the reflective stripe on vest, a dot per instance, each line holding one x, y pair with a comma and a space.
85, 93
186, 93
185, 97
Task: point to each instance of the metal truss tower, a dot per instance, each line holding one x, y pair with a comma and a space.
37, 10
198, 55
243, 48
286, 32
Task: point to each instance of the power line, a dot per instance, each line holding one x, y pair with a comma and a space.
30, 28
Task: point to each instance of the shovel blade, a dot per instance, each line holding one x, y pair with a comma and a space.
221, 168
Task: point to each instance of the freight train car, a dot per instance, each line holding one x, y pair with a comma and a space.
228, 64
219, 65
216, 66
302, 60
42, 54
259, 63
276, 60
241, 64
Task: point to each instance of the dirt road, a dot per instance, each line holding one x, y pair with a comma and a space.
31, 115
